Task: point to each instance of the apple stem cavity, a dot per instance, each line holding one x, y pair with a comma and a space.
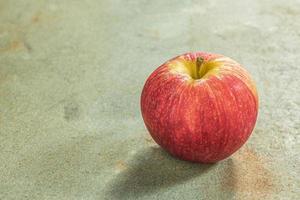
199, 68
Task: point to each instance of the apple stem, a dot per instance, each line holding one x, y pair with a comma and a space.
199, 63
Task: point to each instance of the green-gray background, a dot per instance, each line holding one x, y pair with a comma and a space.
71, 74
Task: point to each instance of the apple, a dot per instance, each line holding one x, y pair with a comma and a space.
200, 107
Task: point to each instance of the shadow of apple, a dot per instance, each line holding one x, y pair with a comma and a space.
150, 170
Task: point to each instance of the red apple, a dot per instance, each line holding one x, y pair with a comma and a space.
200, 107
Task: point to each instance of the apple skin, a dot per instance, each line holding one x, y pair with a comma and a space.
200, 120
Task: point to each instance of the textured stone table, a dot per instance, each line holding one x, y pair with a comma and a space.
71, 74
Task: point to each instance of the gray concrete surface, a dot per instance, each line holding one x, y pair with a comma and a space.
71, 73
